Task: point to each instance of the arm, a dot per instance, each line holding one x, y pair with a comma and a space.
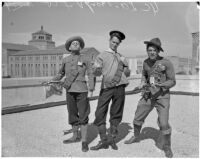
97, 66
144, 75
170, 77
91, 77
127, 71
61, 72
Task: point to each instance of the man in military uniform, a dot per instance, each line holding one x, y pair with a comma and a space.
114, 68
158, 77
74, 68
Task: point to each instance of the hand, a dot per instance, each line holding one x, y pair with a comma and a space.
158, 84
96, 65
90, 94
62, 83
127, 72
122, 58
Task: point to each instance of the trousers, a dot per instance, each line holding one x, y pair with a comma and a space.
117, 95
78, 108
162, 106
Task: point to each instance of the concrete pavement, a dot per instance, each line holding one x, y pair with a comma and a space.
39, 133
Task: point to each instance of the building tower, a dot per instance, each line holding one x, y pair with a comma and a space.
42, 40
195, 52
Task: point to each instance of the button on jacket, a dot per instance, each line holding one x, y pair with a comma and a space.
106, 63
82, 63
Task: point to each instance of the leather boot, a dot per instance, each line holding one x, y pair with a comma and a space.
113, 144
167, 146
85, 147
134, 138
103, 144
160, 141
113, 132
84, 138
75, 137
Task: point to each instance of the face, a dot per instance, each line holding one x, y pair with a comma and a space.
152, 52
114, 43
75, 46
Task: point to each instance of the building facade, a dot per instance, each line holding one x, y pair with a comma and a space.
38, 59
195, 52
181, 65
9, 49
41, 57
40, 63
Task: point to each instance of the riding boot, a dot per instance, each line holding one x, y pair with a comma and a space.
113, 132
75, 137
103, 144
135, 137
167, 146
84, 138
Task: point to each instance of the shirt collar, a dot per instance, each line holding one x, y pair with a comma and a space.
111, 51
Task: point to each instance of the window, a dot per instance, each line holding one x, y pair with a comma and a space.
51, 69
16, 58
15, 69
45, 57
38, 70
18, 70
12, 71
41, 37
37, 58
60, 57
54, 70
23, 58
48, 38
31, 70
46, 69
53, 58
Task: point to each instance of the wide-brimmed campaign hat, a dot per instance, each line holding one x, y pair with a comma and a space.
74, 38
118, 34
156, 42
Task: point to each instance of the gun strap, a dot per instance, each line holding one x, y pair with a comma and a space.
71, 77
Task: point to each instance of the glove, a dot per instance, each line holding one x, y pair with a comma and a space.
127, 71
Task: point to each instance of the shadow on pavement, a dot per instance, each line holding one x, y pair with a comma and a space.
123, 130
154, 134
92, 133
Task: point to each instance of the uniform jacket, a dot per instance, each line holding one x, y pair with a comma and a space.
106, 64
162, 71
82, 63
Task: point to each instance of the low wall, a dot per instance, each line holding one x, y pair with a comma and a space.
28, 91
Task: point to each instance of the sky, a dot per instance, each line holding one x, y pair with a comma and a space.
172, 22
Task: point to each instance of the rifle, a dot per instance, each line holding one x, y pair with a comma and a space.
148, 91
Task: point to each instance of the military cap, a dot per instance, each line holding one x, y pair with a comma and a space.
118, 34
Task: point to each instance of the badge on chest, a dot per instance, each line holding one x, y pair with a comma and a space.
80, 63
152, 80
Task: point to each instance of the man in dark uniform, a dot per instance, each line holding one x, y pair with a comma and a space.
74, 67
158, 77
114, 68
